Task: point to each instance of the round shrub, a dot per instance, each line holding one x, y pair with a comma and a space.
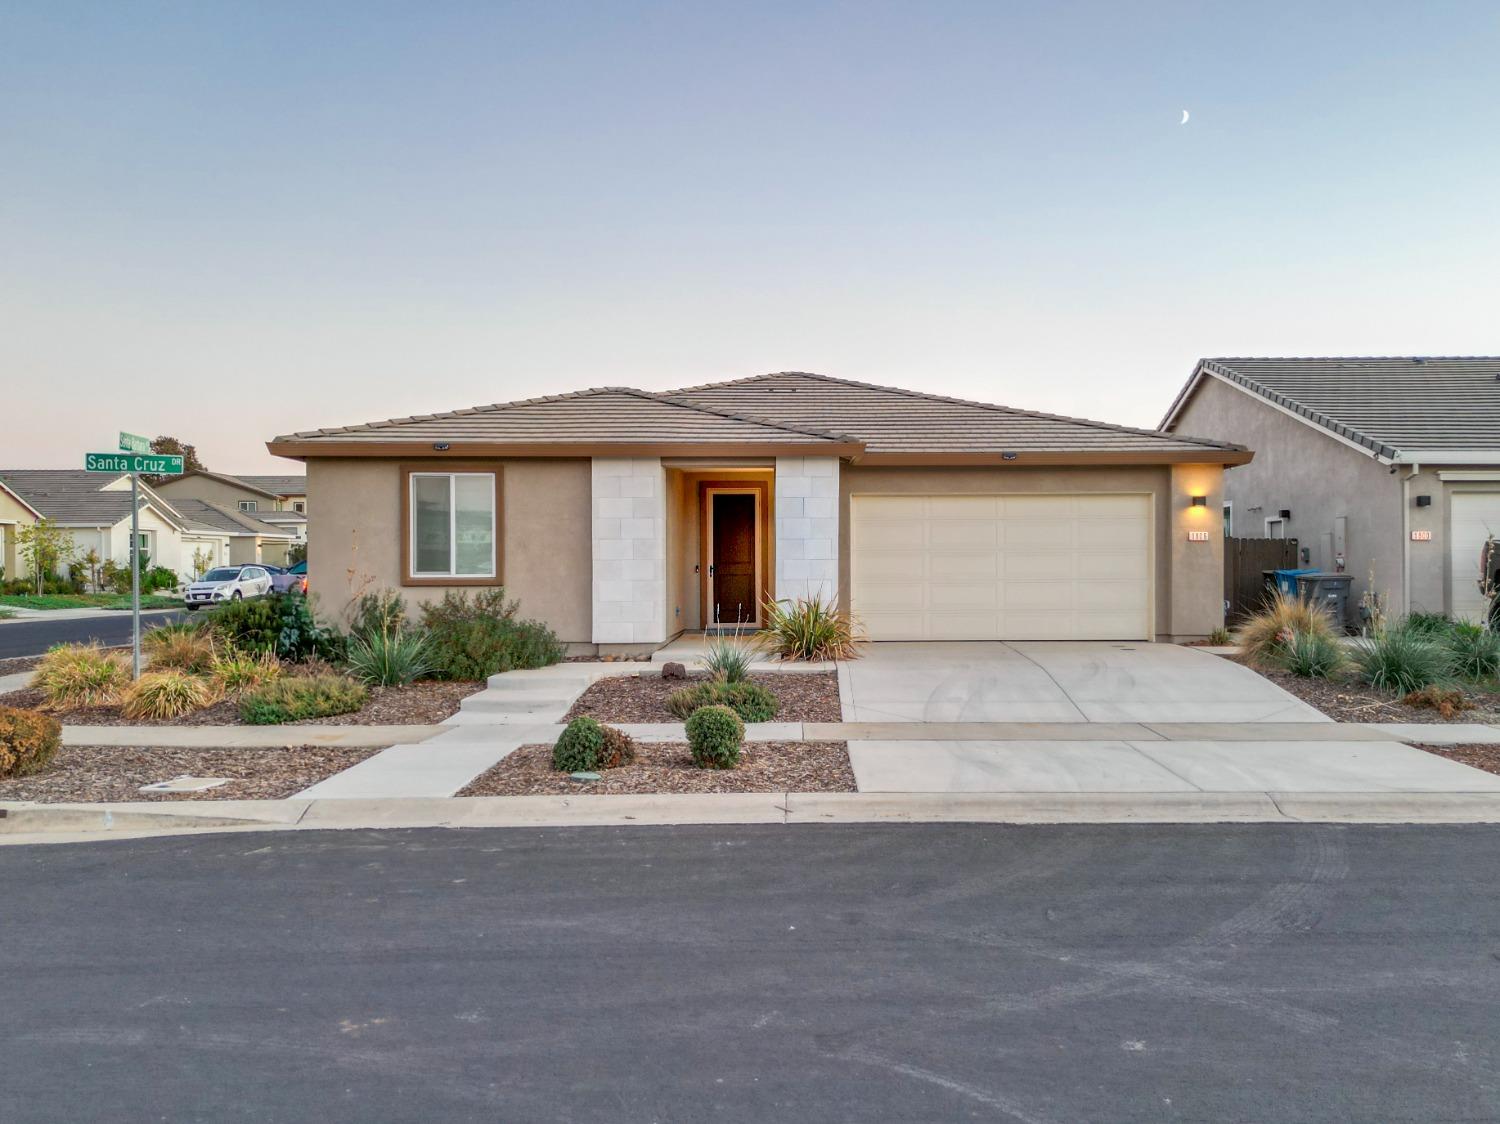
715, 734
28, 741
619, 748
579, 747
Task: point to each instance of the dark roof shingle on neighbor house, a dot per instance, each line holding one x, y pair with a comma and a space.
277, 485
790, 409
1393, 406
215, 518
75, 498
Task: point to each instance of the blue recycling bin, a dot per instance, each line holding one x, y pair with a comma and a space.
1286, 580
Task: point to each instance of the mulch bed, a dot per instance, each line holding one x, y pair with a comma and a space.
114, 773
1345, 700
668, 767
1486, 757
420, 704
804, 697
18, 664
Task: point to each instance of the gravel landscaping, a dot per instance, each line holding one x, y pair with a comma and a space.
420, 704
668, 767
1486, 757
803, 697
1345, 700
116, 773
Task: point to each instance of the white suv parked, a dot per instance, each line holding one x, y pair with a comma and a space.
227, 583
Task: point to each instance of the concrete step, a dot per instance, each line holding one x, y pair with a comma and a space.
540, 693
540, 678
510, 704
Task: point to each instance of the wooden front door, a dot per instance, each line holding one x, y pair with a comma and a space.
732, 558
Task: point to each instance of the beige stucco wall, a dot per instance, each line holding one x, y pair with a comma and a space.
213, 491
12, 518
1188, 594
546, 536
1319, 479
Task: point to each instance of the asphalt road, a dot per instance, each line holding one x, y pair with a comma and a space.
32, 638
1141, 973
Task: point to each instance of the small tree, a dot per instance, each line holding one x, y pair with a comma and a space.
93, 564
47, 547
171, 446
201, 560
296, 553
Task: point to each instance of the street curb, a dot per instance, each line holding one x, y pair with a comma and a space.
30, 821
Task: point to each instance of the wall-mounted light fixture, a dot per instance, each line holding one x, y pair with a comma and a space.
1424, 501
1285, 513
1200, 501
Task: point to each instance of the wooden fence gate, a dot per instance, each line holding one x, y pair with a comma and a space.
1245, 563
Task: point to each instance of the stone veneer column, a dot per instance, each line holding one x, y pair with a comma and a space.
630, 553
807, 528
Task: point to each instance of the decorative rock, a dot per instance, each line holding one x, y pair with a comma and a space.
185, 784
673, 671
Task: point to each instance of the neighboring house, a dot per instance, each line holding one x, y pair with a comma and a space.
95, 509
1388, 467
277, 500
246, 539
15, 515
622, 517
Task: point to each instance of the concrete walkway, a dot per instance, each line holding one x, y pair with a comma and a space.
20, 614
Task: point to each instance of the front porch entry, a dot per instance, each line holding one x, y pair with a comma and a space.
734, 570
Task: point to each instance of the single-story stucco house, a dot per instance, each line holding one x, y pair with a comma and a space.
1387, 468
623, 517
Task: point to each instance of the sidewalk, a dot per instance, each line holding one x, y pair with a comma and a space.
20, 615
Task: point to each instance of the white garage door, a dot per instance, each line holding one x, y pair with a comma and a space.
1057, 567
1474, 517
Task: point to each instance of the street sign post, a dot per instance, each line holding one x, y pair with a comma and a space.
135, 459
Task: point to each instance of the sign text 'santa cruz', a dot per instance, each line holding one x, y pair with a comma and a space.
160, 464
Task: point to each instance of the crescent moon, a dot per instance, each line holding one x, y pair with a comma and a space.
1184, 120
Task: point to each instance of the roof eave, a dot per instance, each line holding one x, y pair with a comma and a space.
1023, 459
1447, 456
301, 449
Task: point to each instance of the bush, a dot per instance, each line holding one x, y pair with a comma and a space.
1431, 626
388, 659
1399, 661
809, 630
382, 611
1447, 701
1219, 637
167, 694
28, 741
579, 747
1473, 651
479, 637
715, 734
1264, 637
751, 701
74, 675
280, 624
158, 577
1312, 655
292, 699
181, 646
619, 749
238, 672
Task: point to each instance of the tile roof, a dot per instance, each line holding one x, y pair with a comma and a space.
223, 478
788, 407
1390, 405
892, 420
76, 498
202, 515
277, 485
599, 416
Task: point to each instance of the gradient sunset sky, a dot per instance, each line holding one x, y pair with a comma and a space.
227, 222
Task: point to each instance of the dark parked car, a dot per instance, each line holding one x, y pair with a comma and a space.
289, 580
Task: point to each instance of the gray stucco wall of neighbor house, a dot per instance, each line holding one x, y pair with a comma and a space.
1318, 478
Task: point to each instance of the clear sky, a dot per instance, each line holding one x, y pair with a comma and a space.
227, 222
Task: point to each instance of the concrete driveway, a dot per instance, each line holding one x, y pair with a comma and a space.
1045, 681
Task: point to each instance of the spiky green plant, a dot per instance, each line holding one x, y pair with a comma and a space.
809, 629
168, 694
388, 658
75, 675
1398, 661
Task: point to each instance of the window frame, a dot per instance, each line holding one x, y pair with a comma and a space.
1228, 509
299, 506
249, 507
451, 469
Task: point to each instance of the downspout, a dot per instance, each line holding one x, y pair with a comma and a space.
1406, 539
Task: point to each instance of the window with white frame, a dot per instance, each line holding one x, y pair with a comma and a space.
248, 505
1275, 528
299, 506
1228, 519
452, 524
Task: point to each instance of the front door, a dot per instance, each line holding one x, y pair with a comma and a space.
731, 559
